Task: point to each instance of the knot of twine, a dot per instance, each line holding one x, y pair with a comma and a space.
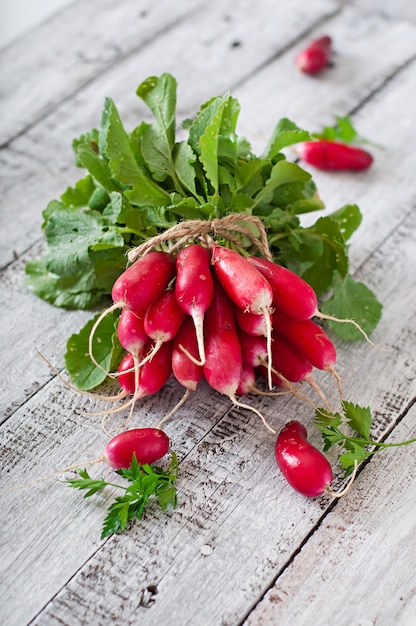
225, 227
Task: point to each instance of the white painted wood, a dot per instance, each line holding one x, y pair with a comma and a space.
83, 41
204, 66
234, 537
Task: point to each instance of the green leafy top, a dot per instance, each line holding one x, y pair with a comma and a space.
137, 184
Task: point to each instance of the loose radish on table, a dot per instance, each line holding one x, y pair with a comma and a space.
315, 57
291, 293
148, 444
333, 155
194, 288
305, 468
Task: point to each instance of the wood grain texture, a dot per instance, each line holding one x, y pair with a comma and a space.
83, 42
204, 65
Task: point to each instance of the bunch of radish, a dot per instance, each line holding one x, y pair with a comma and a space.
208, 312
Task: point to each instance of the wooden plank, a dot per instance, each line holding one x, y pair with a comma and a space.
83, 43
206, 66
369, 536
228, 474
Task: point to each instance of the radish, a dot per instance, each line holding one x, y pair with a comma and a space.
288, 361
251, 323
245, 285
186, 370
305, 468
162, 321
136, 288
126, 374
156, 372
291, 293
141, 283
309, 338
223, 367
194, 288
223, 360
148, 444
152, 375
253, 349
247, 381
333, 155
243, 282
131, 332
315, 57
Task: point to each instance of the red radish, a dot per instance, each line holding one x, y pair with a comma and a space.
131, 332
162, 320
243, 282
156, 372
126, 375
251, 323
315, 57
186, 371
245, 285
148, 444
152, 375
223, 368
247, 381
332, 155
194, 287
141, 283
253, 349
291, 294
287, 361
305, 468
136, 288
223, 361
309, 338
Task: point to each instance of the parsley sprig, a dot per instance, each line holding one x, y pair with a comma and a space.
146, 482
357, 444
344, 131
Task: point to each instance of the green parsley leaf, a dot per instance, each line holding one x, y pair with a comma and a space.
144, 483
358, 417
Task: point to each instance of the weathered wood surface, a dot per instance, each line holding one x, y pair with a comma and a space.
241, 548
